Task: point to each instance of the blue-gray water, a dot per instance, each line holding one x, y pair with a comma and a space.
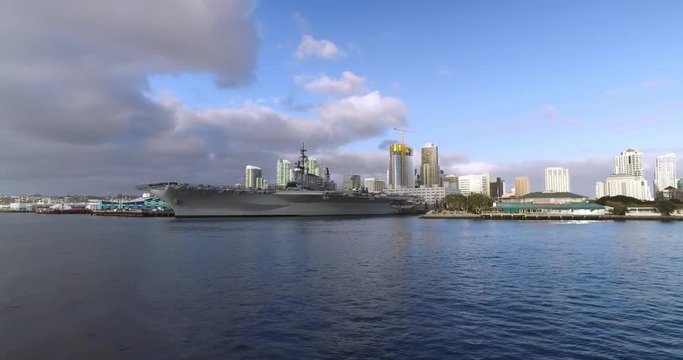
87, 287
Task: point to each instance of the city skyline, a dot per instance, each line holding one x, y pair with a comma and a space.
502, 88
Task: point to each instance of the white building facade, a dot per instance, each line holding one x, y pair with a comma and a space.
430, 194
253, 177
665, 172
629, 162
374, 185
474, 184
556, 180
626, 185
284, 173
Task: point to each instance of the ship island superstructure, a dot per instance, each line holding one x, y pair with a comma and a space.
307, 195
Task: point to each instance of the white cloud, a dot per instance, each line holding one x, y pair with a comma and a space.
250, 126
549, 112
323, 48
347, 84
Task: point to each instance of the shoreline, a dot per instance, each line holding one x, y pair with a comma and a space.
551, 217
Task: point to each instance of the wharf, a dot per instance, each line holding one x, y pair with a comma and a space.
133, 213
553, 217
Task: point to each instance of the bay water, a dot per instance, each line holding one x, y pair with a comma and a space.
87, 287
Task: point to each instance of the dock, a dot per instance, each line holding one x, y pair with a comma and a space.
134, 213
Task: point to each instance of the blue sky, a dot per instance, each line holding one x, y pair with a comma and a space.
500, 86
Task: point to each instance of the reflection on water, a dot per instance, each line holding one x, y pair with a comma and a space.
90, 287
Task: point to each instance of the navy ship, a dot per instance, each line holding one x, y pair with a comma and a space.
307, 195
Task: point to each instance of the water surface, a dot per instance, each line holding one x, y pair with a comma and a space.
97, 287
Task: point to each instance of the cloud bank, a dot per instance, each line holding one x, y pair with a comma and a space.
311, 47
75, 117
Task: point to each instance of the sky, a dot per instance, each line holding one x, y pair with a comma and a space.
97, 97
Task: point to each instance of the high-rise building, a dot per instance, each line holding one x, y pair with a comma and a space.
680, 184
474, 184
253, 178
665, 172
521, 186
430, 174
284, 173
312, 166
629, 162
627, 178
497, 188
351, 182
374, 185
400, 174
556, 180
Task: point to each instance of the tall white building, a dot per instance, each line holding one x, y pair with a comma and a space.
627, 178
430, 174
312, 166
284, 173
556, 180
629, 162
665, 172
626, 185
474, 184
253, 178
401, 170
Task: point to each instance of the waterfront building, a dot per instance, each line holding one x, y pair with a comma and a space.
141, 203
474, 184
547, 198
20, 207
374, 185
430, 194
401, 173
570, 209
521, 186
556, 180
665, 172
253, 178
629, 162
430, 174
351, 182
284, 173
670, 193
626, 185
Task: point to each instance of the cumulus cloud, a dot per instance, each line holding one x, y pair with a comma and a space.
74, 71
310, 47
347, 120
74, 117
348, 84
73, 75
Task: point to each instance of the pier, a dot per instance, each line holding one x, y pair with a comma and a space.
133, 213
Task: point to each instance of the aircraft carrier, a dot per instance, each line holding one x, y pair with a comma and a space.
307, 195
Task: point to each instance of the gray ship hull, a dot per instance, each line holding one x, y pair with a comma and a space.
189, 201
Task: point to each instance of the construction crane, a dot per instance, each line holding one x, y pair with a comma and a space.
403, 134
